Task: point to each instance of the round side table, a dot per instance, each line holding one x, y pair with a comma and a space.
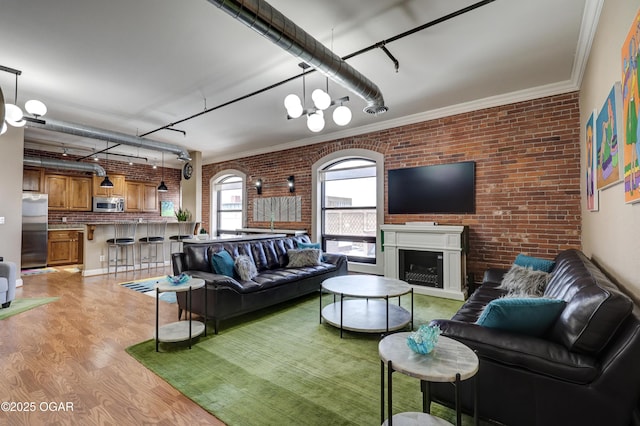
180, 330
450, 361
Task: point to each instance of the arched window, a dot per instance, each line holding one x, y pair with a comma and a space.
349, 219
229, 206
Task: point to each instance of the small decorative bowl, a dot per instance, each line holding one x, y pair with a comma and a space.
424, 340
178, 279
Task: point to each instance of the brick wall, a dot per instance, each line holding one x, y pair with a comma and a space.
135, 172
527, 175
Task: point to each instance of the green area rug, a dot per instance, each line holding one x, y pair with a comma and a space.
21, 305
282, 367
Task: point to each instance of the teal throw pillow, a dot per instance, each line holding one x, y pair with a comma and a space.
535, 263
222, 263
531, 316
309, 245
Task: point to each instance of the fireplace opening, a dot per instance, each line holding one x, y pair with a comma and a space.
421, 267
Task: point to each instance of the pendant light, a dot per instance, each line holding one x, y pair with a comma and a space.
162, 187
106, 183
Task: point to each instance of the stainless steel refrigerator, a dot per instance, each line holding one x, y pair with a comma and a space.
35, 218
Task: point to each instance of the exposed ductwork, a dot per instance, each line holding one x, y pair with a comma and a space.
50, 163
261, 17
108, 135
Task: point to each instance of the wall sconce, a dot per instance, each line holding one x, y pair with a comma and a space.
291, 182
258, 185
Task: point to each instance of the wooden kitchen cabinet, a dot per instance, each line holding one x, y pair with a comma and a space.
33, 179
118, 190
141, 197
64, 247
68, 192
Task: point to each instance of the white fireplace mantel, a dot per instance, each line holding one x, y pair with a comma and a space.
449, 240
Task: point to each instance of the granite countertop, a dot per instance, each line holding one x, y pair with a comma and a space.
66, 226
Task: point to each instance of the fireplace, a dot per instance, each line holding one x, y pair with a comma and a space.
421, 267
431, 258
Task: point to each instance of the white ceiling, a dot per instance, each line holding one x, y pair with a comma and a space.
135, 66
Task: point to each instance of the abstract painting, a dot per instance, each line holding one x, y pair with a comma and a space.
608, 140
590, 166
630, 98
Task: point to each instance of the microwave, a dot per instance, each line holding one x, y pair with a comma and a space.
108, 204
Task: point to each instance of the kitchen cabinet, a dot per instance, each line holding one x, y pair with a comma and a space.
64, 247
141, 197
33, 179
118, 190
68, 192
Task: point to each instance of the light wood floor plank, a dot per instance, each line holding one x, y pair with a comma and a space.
73, 351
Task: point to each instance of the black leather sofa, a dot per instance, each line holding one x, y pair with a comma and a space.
584, 371
275, 283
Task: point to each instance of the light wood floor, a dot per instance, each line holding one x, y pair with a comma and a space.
73, 351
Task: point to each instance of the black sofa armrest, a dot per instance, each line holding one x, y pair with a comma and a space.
494, 275
526, 352
340, 260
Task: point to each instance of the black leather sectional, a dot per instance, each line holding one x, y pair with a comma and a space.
584, 371
275, 283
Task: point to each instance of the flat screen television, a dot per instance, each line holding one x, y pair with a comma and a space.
440, 188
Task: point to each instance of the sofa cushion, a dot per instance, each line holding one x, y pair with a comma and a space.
531, 316
536, 263
303, 257
222, 263
245, 268
595, 306
521, 281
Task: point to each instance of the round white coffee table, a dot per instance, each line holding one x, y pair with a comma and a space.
450, 361
180, 330
355, 311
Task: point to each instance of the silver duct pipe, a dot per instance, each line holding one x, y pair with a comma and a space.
261, 17
108, 135
50, 163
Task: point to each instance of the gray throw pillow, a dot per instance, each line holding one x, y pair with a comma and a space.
303, 257
245, 267
520, 282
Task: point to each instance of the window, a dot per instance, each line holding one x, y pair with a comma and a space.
229, 192
349, 209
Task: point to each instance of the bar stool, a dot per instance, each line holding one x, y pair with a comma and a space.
154, 238
185, 232
124, 238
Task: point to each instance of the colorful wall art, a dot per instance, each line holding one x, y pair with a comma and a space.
608, 140
590, 166
630, 100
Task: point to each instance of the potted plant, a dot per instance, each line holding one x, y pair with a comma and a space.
203, 234
183, 215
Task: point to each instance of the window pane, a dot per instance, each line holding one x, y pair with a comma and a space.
230, 199
350, 193
350, 222
352, 248
230, 220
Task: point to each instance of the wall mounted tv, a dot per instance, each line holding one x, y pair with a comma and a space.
440, 188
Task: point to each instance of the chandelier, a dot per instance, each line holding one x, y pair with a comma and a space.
321, 102
13, 114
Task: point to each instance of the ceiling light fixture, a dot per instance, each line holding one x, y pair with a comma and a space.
13, 114
106, 183
321, 102
162, 187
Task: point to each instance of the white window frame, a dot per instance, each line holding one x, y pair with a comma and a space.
316, 201
216, 179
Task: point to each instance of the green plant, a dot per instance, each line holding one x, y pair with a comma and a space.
203, 231
183, 215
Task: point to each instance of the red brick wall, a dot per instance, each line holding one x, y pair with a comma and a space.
527, 175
